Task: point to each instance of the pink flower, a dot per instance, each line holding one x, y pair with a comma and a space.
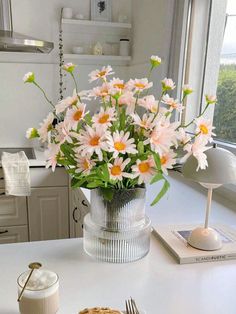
163, 136
144, 170
84, 164
104, 118
119, 143
167, 84
187, 89
146, 122
45, 127
91, 141
149, 103
155, 61
51, 155
66, 103
173, 103
116, 170
204, 127
74, 115
69, 67
128, 100
101, 91
167, 161
138, 85
63, 133
183, 137
197, 149
117, 86
211, 99
100, 74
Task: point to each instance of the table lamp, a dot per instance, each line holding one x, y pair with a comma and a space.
221, 170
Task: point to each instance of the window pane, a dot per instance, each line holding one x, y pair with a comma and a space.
225, 111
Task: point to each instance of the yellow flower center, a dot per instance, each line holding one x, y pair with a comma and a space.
74, 102
144, 167
104, 118
86, 164
116, 170
77, 115
139, 85
100, 74
94, 141
119, 146
104, 92
203, 128
163, 160
119, 85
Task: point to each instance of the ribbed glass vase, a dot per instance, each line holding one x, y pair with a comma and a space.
117, 231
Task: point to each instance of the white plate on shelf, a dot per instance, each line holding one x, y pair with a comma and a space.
141, 312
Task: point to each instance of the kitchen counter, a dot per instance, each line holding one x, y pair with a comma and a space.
157, 282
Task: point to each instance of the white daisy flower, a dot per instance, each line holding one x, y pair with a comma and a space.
204, 127
67, 102
119, 143
144, 170
116, 169
91, 141
28, 77
74, 115
51, 155
84, 164
104, 118
146, 122
167, 84
167, 161
45, 127
138, 85
100, 74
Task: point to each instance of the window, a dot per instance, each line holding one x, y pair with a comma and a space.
225, 111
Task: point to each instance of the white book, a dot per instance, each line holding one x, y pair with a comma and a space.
175, 238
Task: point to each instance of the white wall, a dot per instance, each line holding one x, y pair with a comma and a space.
22, 105
152, 29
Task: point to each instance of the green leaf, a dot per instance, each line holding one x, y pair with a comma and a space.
107, 194
88, 119
140, 147
94, 184
157, 160
163, 191
157, 178
122, 119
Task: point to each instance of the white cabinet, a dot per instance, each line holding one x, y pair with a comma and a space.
42, 216
13, 219
48, 213
13, 234
79, 207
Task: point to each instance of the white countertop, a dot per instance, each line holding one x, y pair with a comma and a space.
39, 161
157, 282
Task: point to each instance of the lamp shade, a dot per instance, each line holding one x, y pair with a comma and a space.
221, 167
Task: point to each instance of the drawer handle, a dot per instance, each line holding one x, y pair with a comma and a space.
5, 231
73, 215
1, 178
2, 193
84, 203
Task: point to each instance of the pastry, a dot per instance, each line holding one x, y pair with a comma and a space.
100, 310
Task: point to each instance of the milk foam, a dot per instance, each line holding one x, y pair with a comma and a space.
42, 282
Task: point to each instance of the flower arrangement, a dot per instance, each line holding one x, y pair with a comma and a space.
130, 141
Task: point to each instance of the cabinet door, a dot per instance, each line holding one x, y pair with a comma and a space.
13, 234
48, 213
79, 208
13, 210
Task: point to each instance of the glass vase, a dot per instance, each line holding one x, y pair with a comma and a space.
117, 231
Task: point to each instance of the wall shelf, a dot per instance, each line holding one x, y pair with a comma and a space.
97, 59
96, 23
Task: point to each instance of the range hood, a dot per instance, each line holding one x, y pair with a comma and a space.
11, 41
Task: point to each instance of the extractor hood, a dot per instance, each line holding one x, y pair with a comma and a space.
11, 41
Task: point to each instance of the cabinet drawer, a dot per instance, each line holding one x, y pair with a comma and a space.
13, 234
42, 177
13, 210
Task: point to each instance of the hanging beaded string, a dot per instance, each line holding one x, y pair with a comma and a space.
61, 61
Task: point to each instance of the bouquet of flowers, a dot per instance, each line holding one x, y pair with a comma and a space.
130, 141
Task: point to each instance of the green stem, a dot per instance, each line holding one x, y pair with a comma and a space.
76, 86
200, 115
48, 100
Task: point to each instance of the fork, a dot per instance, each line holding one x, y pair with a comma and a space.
131, 307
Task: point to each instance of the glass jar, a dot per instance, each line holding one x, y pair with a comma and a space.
41, 295
117, 231
124, 47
